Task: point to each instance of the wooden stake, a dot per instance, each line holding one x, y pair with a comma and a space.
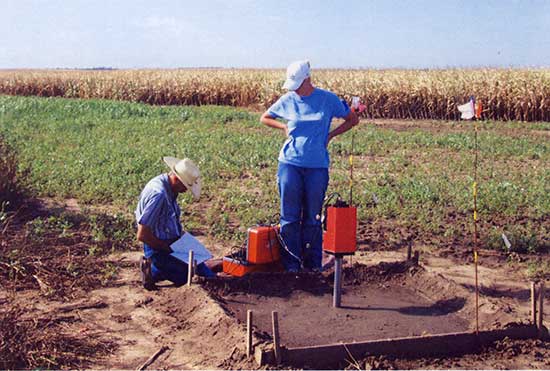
190, 267
409, 251
152, 358
533, 304
276, 338
416, 257
540, 323
249, 333
81, 306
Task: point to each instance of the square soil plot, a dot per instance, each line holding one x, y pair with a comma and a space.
377, 303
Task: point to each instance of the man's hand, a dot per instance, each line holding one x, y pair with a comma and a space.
170, 242
167, 247
146, 235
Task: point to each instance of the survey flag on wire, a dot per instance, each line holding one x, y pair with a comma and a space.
467, 110
470, 110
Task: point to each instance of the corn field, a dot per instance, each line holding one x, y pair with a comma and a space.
506, 94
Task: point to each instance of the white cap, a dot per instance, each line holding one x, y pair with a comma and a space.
296, 73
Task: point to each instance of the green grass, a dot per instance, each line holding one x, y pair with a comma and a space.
103, 152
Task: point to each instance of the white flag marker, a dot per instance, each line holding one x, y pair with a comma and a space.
467, 110
506, 241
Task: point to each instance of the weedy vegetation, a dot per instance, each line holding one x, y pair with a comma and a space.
28, 342
410, 183
98, 137
58, 255
9, 188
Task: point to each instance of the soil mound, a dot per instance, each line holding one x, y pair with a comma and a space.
283, 284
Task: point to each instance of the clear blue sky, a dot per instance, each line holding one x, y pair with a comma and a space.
249, 33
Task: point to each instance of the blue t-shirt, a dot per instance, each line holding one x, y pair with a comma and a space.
308, 120
159, 210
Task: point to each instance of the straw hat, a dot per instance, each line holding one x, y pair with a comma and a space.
187, 172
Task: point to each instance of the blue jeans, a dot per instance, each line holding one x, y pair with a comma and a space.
165, 267
302, 191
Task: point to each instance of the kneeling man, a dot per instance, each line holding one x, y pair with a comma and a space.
158, 223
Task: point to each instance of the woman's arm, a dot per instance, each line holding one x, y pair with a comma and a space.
270, 121
350, 121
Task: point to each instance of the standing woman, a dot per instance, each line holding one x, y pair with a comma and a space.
302, 175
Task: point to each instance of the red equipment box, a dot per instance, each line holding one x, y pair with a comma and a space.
263, 245
341, 234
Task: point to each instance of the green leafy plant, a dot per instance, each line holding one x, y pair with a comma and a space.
538, 269
103, 152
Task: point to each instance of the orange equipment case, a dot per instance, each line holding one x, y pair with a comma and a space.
263, 245
341, 234
262, 253
239, 268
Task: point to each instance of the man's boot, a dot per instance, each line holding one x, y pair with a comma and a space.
146, 273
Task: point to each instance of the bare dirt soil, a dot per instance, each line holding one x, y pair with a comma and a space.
435, 126
117, 324
377, 303
52, 317
503, 355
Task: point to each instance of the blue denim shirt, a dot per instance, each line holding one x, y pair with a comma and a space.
159, 210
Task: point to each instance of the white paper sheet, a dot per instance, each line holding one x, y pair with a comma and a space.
186, 243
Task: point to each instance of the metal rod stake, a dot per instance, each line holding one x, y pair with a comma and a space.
337, 296
276, 337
